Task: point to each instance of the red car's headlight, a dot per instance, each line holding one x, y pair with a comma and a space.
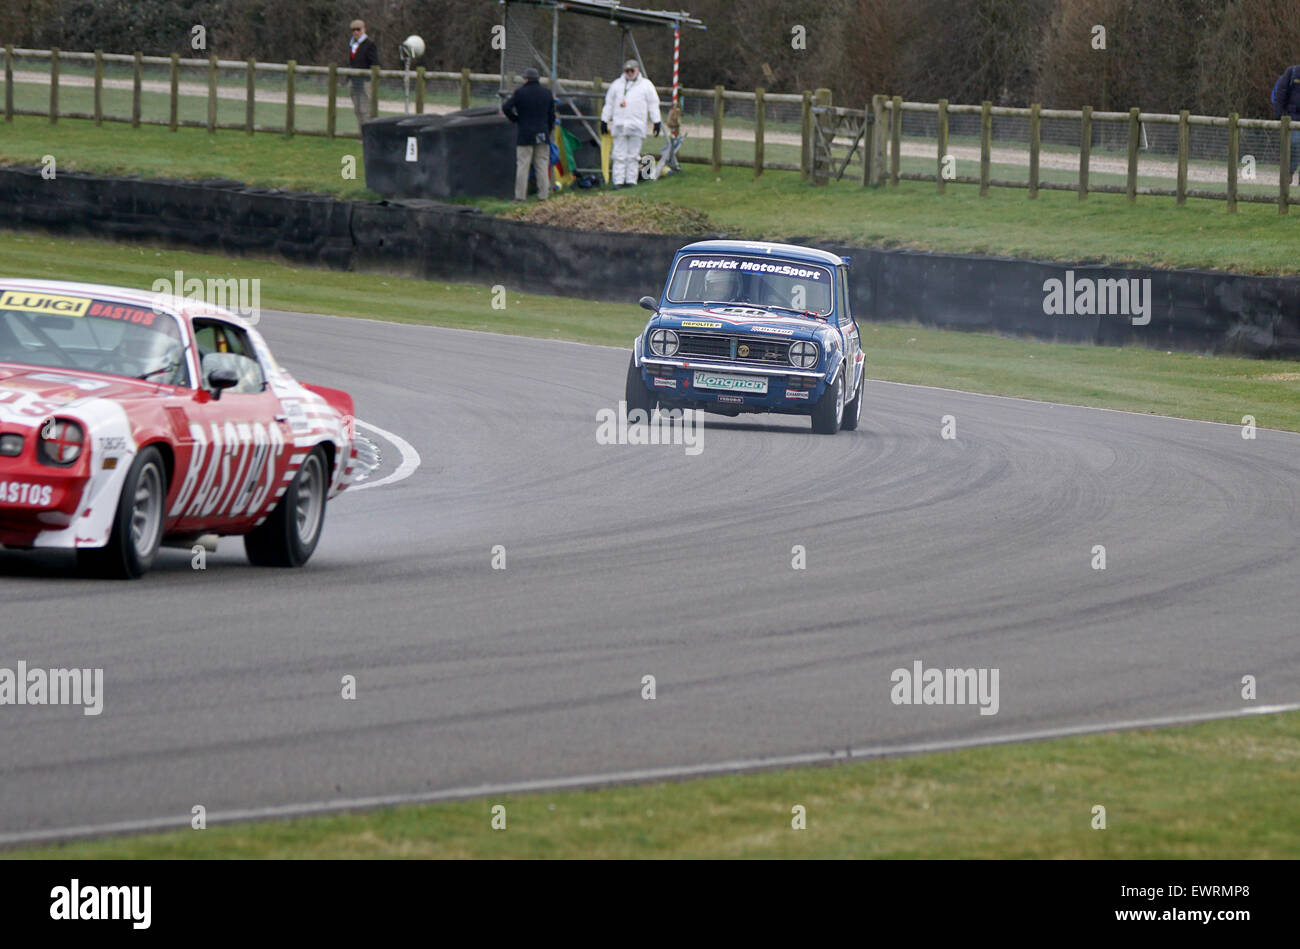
60, 442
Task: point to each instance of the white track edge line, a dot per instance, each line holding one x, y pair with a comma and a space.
622, 777
410, 459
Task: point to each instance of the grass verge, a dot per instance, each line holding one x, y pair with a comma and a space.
1214, 790
1219, 389
778, 205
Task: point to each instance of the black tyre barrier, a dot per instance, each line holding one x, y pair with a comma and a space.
1190, 310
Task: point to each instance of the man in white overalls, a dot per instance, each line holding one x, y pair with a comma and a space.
631, 100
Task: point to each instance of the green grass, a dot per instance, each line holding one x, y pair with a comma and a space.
1219, 389
779, 205
1220, 790
266, 160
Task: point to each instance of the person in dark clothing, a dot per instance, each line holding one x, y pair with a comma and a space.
1286, 101
532, 109
362, 54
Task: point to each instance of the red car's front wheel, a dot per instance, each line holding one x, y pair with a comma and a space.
289, 536
137, 526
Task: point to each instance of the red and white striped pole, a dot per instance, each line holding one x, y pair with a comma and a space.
677, 49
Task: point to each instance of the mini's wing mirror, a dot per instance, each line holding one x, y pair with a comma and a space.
222, 379
649, 303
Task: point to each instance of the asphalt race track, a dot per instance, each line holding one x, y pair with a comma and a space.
222, 687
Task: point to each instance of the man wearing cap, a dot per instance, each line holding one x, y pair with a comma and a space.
362, 54
532, 109
631, 100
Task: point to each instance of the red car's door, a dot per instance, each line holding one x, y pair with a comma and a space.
238, 439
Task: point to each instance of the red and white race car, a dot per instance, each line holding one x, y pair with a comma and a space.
129, 420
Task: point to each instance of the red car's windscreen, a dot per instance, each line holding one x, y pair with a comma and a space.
81, 333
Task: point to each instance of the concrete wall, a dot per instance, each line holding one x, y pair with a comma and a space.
1192, 310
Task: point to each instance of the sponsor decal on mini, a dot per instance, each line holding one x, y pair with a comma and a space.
43, 303
777, 330
665, 383
756, 266
21, 492
702, 324
723, 397
719, 380
796, 393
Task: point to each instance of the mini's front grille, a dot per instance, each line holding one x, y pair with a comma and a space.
739, 348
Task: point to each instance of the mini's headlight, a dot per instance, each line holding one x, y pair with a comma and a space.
664, 342
60, 442
803, 355
11, 445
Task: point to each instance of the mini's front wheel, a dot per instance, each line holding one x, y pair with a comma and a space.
829, 410
853, 411
636, 394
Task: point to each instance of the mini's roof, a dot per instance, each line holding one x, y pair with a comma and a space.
765, 248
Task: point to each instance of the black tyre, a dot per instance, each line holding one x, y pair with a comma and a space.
137, 525
637, 395
853, 410
829, 410
289, 536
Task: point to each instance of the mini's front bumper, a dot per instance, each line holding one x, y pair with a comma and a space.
673, 381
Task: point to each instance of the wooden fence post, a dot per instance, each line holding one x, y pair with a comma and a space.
464, 88
250, 96
1134, 131
419, 90
136, 82
212, 94
805, 156
290, 96
174, 77
54, 86
374, 92
1184, 138
868, 131
718, 106
877, 139
1085, 150
760, 122
895, 139
9, 83
822, 121
1284, 166
331, 103
986, 145
99, 88
942, 146
1035, 147
1234, 145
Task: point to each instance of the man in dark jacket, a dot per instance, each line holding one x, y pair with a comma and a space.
362, 54
532, 109
1286, 101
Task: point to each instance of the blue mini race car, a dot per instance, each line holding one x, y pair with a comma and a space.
752, 327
